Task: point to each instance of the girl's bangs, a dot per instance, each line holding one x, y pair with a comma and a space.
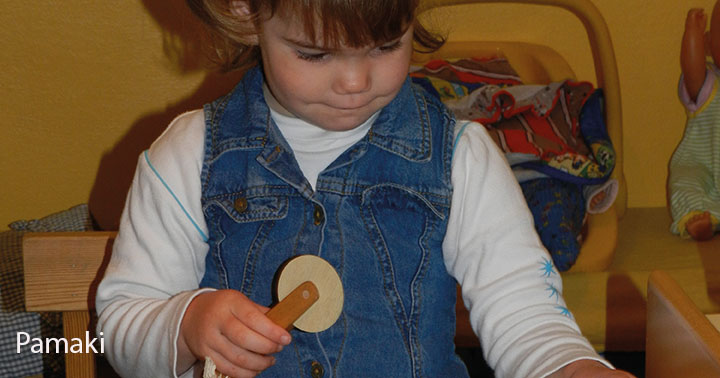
350, 23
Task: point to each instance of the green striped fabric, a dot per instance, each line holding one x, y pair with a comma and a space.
694, 180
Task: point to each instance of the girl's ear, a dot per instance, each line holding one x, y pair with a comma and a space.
241, 9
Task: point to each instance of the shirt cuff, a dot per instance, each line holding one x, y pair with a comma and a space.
598, 359
185, 366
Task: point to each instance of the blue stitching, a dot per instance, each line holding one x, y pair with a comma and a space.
457, 137
157, 174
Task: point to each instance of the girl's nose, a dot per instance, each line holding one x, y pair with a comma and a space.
353, 77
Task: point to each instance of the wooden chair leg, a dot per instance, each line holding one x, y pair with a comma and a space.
78, 365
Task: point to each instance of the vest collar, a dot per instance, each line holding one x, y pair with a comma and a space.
403, 126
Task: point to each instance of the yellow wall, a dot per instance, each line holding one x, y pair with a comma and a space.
87, 85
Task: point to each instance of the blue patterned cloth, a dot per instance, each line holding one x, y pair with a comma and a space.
558, 210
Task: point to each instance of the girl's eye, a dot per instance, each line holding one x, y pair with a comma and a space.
390, 47
311, 57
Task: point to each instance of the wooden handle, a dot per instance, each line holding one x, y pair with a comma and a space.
294, 305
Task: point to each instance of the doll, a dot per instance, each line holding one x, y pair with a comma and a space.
694, 182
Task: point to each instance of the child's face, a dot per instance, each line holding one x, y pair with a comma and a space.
333, 89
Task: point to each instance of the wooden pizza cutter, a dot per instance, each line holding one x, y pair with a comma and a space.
311, 299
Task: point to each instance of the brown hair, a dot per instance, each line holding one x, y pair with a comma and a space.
355, 23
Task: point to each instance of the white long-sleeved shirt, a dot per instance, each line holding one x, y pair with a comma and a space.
508, 281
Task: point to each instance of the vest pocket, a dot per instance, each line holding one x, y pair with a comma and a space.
252, 209
238, 235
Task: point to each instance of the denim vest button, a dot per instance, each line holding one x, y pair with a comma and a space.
316, 369
240, 205
318, 215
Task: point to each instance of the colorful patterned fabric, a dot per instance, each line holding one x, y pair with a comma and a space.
556, 131
543, 127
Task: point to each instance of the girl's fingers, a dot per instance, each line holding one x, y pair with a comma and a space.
241, 335
256, 320
261, 308
245, 359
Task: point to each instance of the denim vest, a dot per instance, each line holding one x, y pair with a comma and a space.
378, 215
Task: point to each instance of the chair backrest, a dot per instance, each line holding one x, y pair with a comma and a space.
681, 341
62, 271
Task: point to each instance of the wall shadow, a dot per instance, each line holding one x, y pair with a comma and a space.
184, 42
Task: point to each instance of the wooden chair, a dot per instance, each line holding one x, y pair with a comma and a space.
62, 271
681, 341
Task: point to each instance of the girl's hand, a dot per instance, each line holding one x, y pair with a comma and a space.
233, 331
589, 369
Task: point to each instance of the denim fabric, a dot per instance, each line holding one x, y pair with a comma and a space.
378, 215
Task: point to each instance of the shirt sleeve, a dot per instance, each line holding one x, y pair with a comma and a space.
509, 283
707, 91
158, 256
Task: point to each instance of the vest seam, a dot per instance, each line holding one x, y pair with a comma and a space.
393, 303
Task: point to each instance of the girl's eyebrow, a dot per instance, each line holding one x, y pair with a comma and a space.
312, 46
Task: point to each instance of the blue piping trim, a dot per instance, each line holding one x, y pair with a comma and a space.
459, 134
157, 174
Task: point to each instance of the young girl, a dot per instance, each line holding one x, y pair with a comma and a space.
326, 148
695, 166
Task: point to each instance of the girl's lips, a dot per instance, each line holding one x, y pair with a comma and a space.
362, 105
349, 107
